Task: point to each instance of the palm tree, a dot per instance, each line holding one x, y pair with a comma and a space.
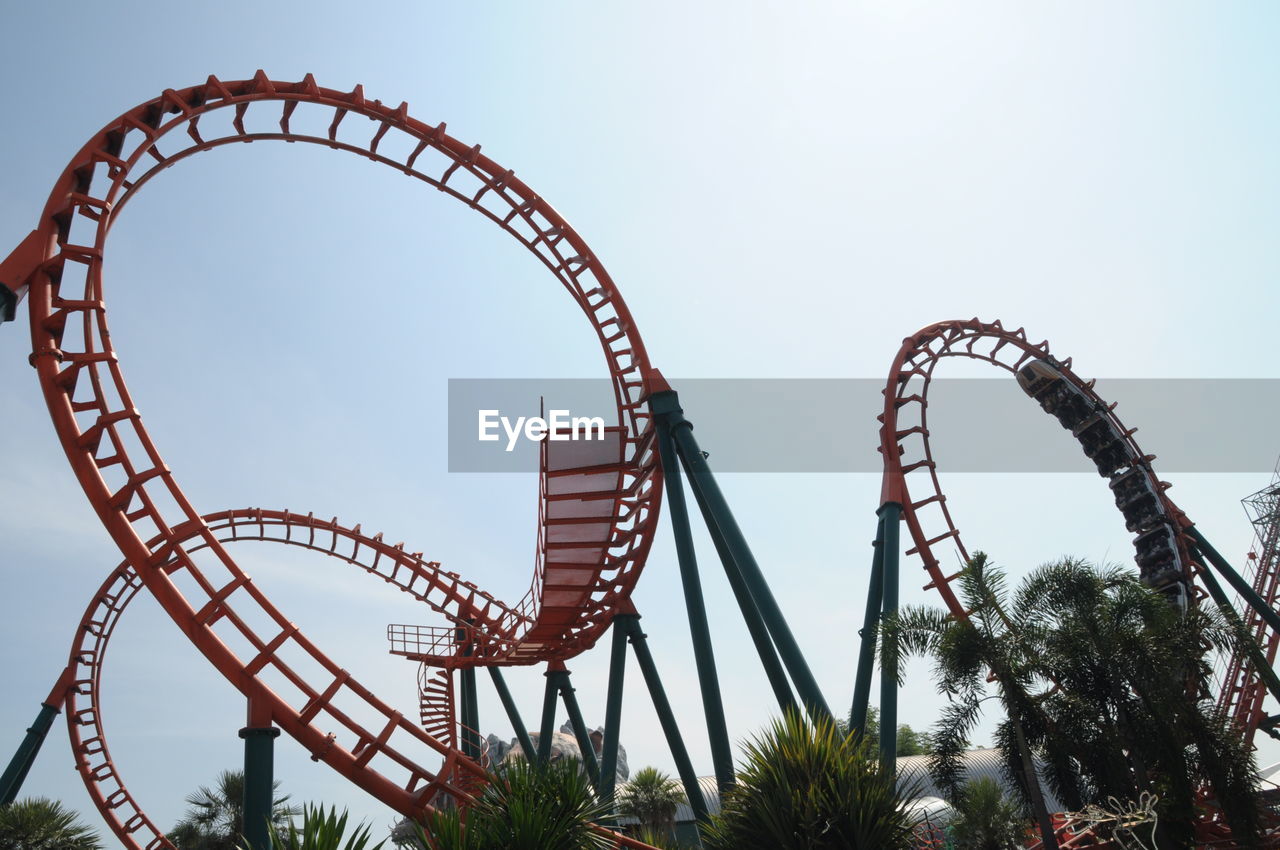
1133, 672
1100, 675
43, 824
985, 819
525, 806
651, 797
807, 785
965, 652
215, 817
321, 830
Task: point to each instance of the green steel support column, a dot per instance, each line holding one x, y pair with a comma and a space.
470, 713
1247, 593
579, 728
713, 503
468, 710
890, 513
548, 727
1256, 657
667, 718
756, 627
613, 706
259, 742
870, 622
16, 772
522, 735
660, 404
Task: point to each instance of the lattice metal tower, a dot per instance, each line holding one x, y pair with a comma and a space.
1244, 693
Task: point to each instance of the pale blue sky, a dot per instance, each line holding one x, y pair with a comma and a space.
781, 190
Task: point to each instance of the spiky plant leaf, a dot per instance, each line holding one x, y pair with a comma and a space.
320, 829
525, 806
42, 824
807, 785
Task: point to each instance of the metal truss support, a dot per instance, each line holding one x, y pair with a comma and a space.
579, 728
16, 773
630, 623
509, 705
699, 628
730, 541
868, 634
890, 513
548, 727
1237, 582
470, 712
613, 709
765, 650
1261, 668
259, 777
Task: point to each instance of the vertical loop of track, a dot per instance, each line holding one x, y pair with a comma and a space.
910, 475
424, 580
137, 498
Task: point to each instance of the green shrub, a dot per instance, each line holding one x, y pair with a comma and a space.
807, 786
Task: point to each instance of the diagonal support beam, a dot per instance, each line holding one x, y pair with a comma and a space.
699, 628
890, 513
1237, 582
548, 727
1261, 668
509, 705
579, 727
613, 709
868, 635
679, 753
16, 772
724, 528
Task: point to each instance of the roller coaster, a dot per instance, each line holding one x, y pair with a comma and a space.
599, 502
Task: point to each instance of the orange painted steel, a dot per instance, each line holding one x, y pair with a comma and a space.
83, 702
81, 684
578, 506
137, 497
910, 476
1243, 690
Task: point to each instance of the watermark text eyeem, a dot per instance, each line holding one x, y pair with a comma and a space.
558, 426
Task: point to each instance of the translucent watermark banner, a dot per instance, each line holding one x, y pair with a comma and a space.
811, 425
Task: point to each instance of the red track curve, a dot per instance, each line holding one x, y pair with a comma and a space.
425, 581
907, 453
137, 498
422, 580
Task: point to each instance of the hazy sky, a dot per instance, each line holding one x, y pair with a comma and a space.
779, 190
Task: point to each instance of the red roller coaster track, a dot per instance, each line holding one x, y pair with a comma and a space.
424, 581
156, 528
597, 510
910, 470
911, 480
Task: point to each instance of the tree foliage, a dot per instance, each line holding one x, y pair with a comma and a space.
808, 785
1133, 711
525, 806
985, 819
965, 652
42, 824
215, 816
910, 742
1101, 677
651, 797
913, 743
321, 830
